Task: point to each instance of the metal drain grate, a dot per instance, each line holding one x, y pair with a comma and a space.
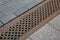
17, 28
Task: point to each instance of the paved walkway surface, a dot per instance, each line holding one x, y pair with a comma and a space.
9, 9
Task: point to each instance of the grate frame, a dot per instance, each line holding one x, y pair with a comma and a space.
24, 25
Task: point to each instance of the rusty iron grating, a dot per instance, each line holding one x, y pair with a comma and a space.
20, 26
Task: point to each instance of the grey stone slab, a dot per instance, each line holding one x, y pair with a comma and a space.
1, 24
4, 1
2, 15
3, 7
1, 2
39, 1
6, 19
28, 1
31, 4
20, 10
15, 4
8, 16
9, 12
